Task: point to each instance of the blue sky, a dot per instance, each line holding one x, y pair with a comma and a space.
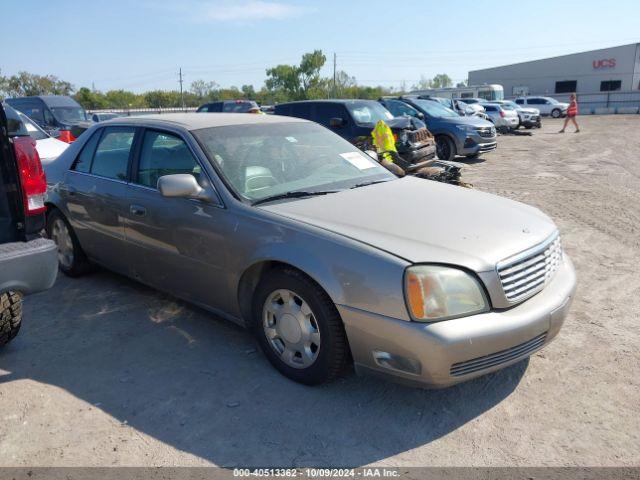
140, 44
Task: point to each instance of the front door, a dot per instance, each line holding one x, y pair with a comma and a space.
176, 244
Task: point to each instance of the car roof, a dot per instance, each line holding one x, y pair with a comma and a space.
50, 100
344, 101
196, 121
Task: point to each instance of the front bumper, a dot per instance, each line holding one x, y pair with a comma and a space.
445, 353
416, 155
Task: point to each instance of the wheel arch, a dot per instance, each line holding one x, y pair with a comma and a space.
254, 273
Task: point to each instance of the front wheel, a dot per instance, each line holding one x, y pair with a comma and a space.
445, 148
298, 328
555, 113
10, 316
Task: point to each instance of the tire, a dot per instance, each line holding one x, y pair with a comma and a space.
445, 148
72, 261
556, 113
10, 316
529, 127
306, 344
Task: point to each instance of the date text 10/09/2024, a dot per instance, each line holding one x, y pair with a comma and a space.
317, 472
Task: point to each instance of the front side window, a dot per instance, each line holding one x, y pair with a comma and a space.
368, 113
83, 162
164, 154
520, 101
112, 155
262, 160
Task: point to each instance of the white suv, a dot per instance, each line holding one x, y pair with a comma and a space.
546, 105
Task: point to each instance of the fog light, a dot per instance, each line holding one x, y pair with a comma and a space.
397, 362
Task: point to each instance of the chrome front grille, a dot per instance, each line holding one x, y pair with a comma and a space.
527, 273
497, 358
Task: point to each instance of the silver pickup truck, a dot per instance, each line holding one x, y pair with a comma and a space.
28, 262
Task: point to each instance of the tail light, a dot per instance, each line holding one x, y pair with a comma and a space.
32, 177
66, 136
502, 113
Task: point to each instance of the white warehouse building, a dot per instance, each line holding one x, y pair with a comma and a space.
615, 69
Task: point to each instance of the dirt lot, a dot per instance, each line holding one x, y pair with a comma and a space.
107, 372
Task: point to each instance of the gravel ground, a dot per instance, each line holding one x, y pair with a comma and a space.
108, 372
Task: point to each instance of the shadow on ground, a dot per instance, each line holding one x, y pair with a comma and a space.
198, 384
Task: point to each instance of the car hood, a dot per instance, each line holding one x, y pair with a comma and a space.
425, 221
471, 120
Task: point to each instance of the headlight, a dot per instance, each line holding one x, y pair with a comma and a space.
435, 292
466, 128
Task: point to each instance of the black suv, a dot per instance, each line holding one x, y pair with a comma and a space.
354, 120
228, 106
28, 262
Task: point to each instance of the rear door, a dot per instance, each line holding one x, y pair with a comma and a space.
95, 195
179, 245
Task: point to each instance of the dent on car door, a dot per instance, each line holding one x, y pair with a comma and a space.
95, 195
176, 244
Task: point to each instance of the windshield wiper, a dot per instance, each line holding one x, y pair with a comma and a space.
294, 194
366, 184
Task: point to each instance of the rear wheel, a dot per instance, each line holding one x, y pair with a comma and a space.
71, 259
299, 328
10, 316
445, 148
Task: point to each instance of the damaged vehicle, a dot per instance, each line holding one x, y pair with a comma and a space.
354, 120
282, 226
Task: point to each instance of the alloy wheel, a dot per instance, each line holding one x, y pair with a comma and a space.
291, 328
62, 238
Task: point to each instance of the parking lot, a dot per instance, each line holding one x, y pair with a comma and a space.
108, 372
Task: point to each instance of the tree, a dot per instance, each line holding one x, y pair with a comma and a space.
26, 84
461, 84
91, 100
299, 82
204, 90
249, 92
442, 80
343, 82
423, 84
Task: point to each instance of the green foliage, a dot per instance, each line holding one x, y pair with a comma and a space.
26, 84
284, 83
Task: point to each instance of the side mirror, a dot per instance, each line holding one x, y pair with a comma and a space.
181, 185
336, 122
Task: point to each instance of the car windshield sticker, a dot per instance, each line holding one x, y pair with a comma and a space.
358, 160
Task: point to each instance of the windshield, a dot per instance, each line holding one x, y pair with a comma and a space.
435, 109
263, 160
507, 106
34, 130
368, 113
69, 114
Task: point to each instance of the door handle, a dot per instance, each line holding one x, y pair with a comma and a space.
138, 210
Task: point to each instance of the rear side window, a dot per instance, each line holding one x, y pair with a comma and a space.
520, 101
15, 125
112, 155
164, 154
490, 108
83, 162
301, 110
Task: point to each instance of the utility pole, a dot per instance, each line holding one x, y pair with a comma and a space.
181, 92
334, 75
